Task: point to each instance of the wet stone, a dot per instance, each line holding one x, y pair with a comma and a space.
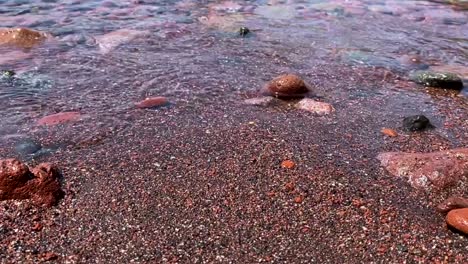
27, 147
244, 31
437, 79
416, 123
59, 118
286, 86
21, 37
153, 102
458, 219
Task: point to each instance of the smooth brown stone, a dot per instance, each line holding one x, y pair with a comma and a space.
286, 86
458, 219
21, 37
153, 102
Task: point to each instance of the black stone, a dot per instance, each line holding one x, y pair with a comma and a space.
416, 123
243, 31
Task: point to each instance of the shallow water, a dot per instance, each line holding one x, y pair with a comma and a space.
106, 56
190, 50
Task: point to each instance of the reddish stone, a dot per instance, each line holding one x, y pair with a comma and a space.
49, 256
286, 86
299, 199
319, 108
452, 203
37, 227
290, 186
59, 118
153, 102
389, 132
288, 164
425, 170
21, 37
18, 182
458, 219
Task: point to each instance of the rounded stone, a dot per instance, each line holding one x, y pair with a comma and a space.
21, 37
458, 219
286, 86
437, 79
153, 102
27, 147
244, 31
59, 118
416, 123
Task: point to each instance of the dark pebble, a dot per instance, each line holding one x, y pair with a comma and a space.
416, 123
243, 31
27, 147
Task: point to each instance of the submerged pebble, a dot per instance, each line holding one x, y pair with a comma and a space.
7, 73
244, 31
59, 118
27, 147
21, 37
437, 79
286, 86
153, 102
416, 123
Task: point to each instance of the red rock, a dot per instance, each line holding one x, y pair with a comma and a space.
59, 118
425, 170
319, 108
286, 86
37, 227
288, 164
152, 102
299, 199
290, 186
49, 256
21, 37
18, 182
458, 219
452, 203
389, 132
